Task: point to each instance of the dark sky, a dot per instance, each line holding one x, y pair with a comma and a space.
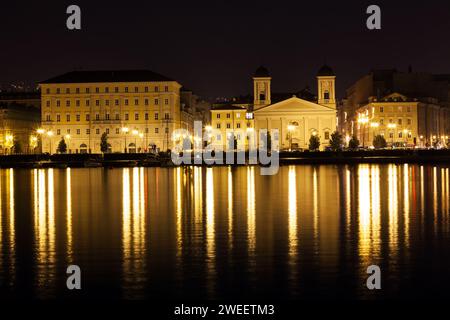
214, 47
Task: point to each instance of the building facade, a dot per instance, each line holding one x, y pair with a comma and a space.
295, 116
416, 115
19, 120
138, 110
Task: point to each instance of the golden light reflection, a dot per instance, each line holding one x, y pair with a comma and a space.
210, 213
133, 225
348, 200
292, 198
198, 195
376, 208
230, 207
12, 228
406, 181
435, 198
251, 214
315, 207
393, 207
364, 209
178, 210
69, 214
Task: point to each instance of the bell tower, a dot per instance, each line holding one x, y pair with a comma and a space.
261, 88
326, 87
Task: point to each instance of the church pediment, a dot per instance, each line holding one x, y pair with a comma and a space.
296, 105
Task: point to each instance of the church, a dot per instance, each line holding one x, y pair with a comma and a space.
297, 116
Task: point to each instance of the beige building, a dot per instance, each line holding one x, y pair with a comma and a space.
19, 119
297, 116
137, 109
408, 108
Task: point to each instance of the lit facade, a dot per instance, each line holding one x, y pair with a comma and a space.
138, 110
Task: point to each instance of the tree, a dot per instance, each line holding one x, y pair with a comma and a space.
17, 146
353, 143
62, 146
314, 143
336, 141
379, 142
104, 143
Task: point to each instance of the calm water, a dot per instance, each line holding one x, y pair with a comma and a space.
211, 233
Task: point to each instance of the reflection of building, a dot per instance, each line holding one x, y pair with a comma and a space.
297, 116
407, 108
137, 109
19, 119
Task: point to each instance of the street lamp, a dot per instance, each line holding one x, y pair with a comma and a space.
363, 121
141, 135
290, 129
50, 135
135, 133
125, 132
392, 126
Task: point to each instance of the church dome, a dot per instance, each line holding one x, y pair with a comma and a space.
261, 72
325, 71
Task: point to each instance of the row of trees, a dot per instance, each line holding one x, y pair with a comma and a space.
62, 145
337, 142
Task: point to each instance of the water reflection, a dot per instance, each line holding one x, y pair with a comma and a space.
219, 231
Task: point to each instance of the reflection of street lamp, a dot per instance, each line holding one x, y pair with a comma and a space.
50, 135
125, 132
290, 129
362, 121
392, 126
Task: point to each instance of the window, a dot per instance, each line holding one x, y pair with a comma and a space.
391, 135
400, 134
88, 117
107, 90
327, 135
58, 91
156, 115
156, 89
228, 126
77, 103
58, 118
68, 117
87, 103
228, 116
136, 89
400, 121
400, 109
166, 101
68, 103
238, 115
78, 131
97, 103
166, 116
68, 131
126, 102
117, 116
116, 102
77, 90
166, 88
218, 126
107, 116
48, 118
409, 121
218, 116
381, 121
97, 116
48, 103
107, 130
381, 109
58, 132
88, 131
326, 95
146, 89
116, 89
156, 130
78, 117
136, 102
136, 116
146, 102
408, 109
238, 125
88, 90
146, 116
107, 102
97, 131
48, 91
156, 102
117, 130
126, 89
58, 103
97, 90
262, 97
126, 116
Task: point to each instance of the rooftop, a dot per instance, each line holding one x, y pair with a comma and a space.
108, 76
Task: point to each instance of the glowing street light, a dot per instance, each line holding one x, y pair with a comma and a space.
50, 135
125, 131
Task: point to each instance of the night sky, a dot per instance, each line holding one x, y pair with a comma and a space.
214, 47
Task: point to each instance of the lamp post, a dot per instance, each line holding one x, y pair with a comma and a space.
362, 121
374, 125
290, 129
392, 126
67, 137
141, 135
50, 135
125, 132
135, 133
